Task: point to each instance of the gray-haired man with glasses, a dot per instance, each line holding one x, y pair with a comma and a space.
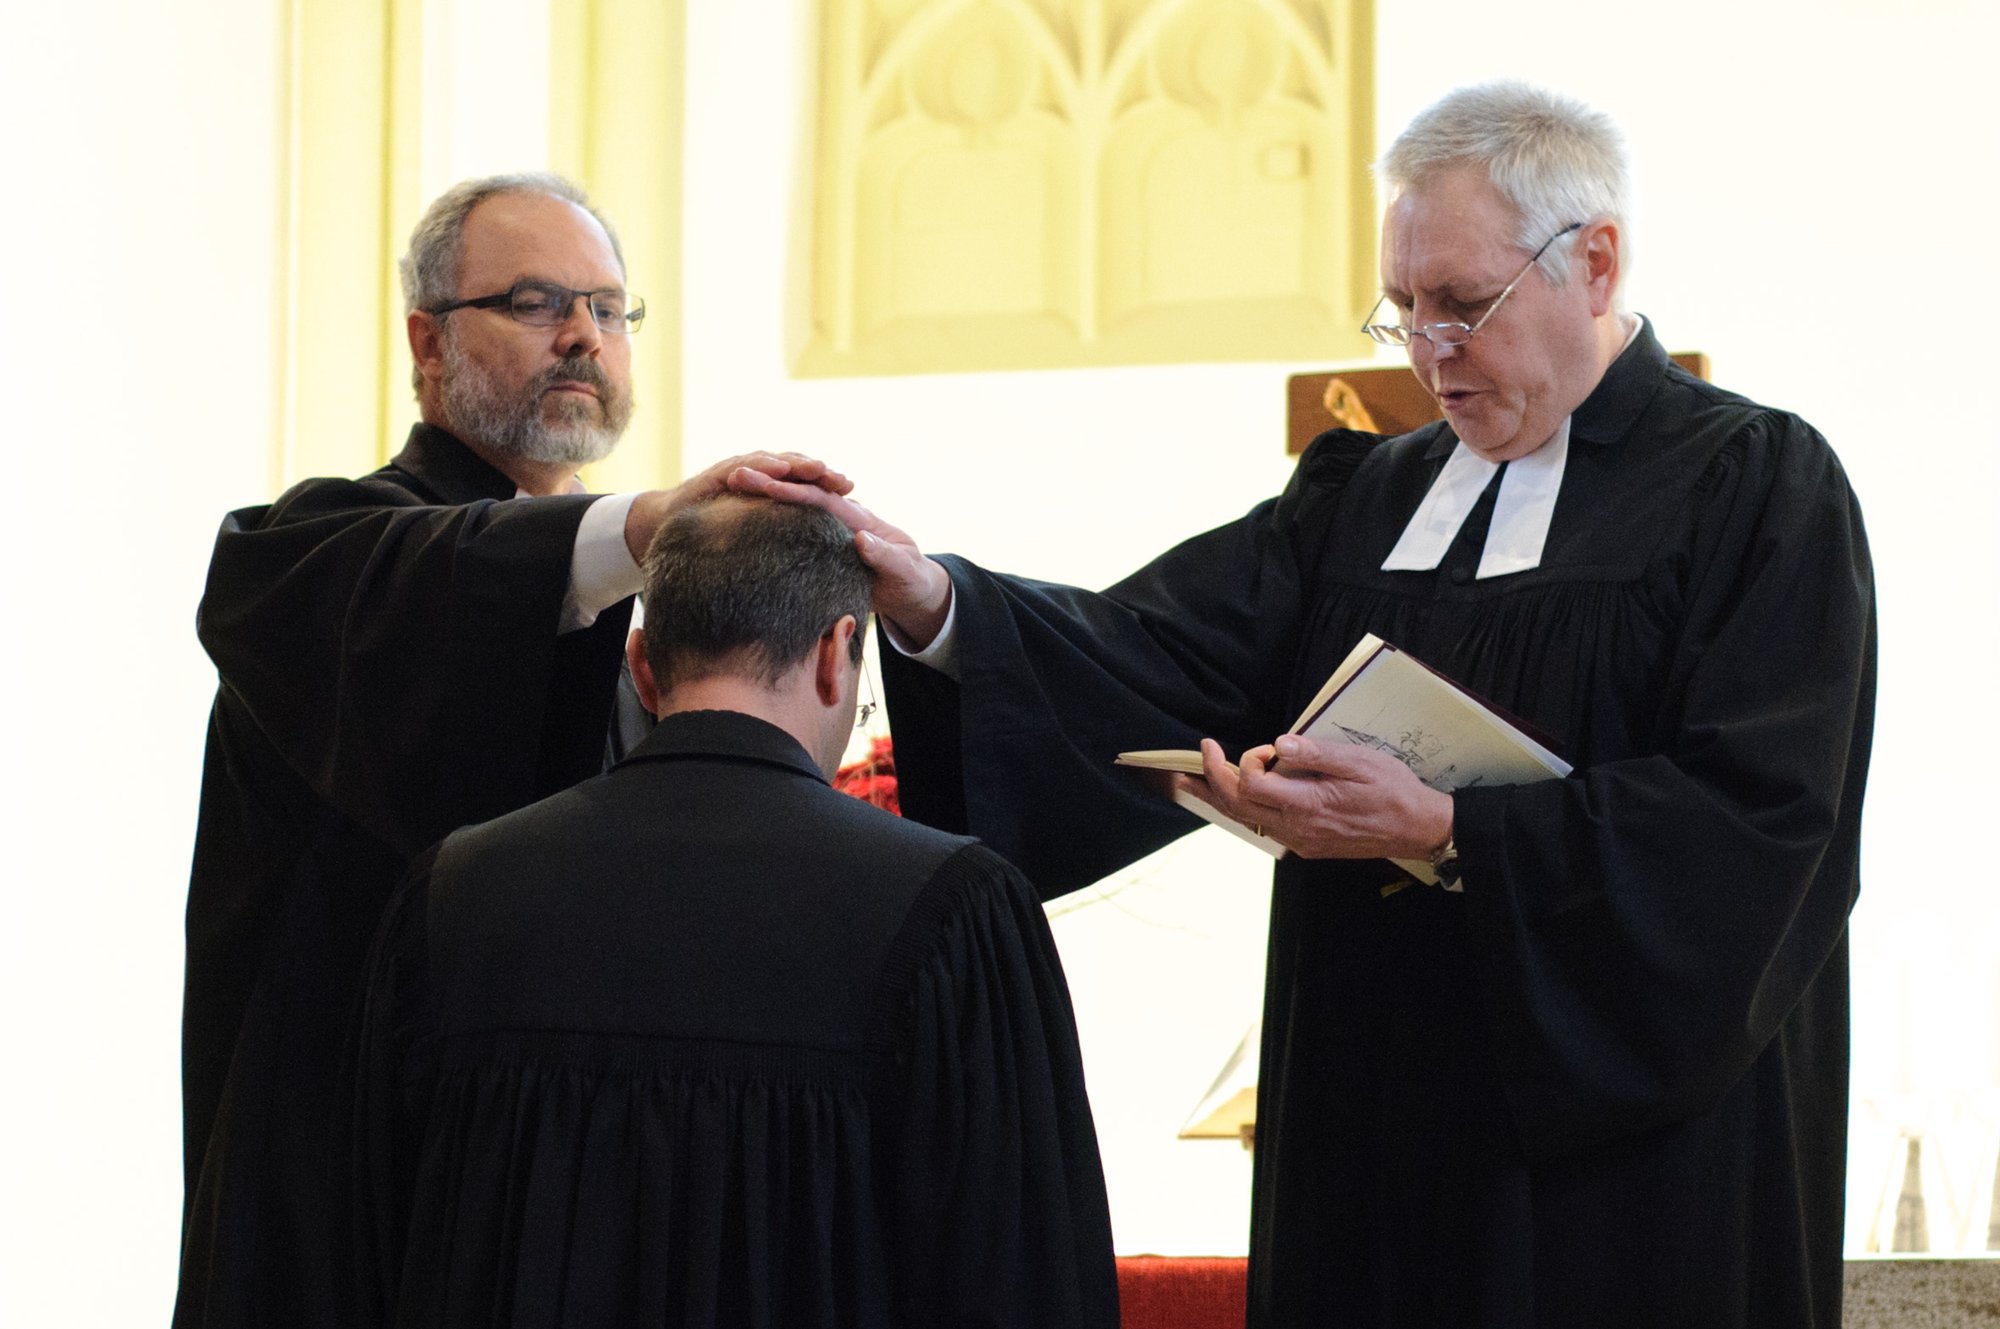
433, 644
1601, 1080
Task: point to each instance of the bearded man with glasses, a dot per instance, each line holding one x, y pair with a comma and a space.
1598, 1078
431, 645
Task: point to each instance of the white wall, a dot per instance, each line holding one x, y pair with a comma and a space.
1815, 198
141, 227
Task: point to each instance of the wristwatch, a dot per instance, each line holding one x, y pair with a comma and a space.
1444, 862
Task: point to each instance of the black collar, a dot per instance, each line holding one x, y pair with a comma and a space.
724, 734
1608, 413
446, 471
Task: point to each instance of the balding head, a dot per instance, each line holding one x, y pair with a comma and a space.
746, 587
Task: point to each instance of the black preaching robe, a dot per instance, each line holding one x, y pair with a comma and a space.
704, 1042
1607, 1084
389, 669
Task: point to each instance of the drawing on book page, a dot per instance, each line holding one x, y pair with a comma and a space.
1416, 749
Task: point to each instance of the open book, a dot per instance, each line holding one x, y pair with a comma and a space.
1387, 699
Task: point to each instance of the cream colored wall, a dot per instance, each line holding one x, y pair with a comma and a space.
1814, 197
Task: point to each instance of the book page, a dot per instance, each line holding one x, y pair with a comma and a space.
1185, 760
1364, 651
1188, 762
1447, 738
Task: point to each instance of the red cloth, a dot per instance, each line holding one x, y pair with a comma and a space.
1191, 1292
873, 778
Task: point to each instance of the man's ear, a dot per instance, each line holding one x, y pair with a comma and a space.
1603, 252
832, 659
642, 671
426, 343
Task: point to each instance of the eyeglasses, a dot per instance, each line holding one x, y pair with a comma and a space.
1455, 334
542, 304
865, 711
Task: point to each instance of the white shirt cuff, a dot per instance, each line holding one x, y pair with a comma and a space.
942, 653
601, 569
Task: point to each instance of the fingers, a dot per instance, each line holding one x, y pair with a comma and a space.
1179, 781
888, 558
749, 478
795, 466
791, 476
1224, 786
811, 470
1307, 754
1268, 785
1219, 774
853, 515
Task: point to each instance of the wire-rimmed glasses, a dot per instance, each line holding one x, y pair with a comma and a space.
1454, 334
865, 710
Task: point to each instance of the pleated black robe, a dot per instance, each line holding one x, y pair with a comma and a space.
1607, 1084
703, 1042
389, 669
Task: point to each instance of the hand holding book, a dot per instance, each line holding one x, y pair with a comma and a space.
1368, 769
1321, 800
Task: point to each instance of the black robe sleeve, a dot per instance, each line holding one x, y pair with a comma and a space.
400, 656
1202, 642
1645, 927
998, 1198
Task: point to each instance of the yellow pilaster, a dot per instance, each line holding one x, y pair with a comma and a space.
350, 169
615, 116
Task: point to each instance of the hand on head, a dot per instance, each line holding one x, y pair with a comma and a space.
655, 506
1325, 800
912, 592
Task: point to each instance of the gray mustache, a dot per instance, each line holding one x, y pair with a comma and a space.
574, 371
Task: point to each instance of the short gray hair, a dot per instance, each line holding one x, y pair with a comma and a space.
437, 245
1555, 159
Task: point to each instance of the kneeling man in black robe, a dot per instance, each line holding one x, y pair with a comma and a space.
702, 1041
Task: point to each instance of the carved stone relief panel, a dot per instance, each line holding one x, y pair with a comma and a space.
1014, 183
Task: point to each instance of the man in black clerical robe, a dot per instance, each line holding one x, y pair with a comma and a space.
1603, 1080
398, 655
703, 1042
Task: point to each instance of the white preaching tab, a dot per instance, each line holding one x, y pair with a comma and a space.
1435, 524
1521, 513
1527, 501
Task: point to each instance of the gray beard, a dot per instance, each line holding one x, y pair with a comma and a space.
518, 426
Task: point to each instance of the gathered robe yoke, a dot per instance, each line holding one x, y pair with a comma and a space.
389, 669
703, 1042
1607, 1084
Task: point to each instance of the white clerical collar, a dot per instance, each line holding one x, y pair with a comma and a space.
1521, 512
